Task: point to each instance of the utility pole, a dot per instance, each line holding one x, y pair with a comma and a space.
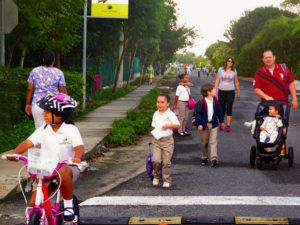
84, 54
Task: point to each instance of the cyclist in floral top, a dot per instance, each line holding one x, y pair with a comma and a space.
43, 80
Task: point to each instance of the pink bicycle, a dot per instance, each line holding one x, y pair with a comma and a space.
43, 212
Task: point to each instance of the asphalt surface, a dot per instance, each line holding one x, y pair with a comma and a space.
233, 176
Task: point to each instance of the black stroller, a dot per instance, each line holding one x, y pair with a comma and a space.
258, 153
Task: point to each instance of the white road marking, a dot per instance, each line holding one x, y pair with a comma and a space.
191, 200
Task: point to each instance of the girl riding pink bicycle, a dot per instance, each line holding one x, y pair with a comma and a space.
58, 141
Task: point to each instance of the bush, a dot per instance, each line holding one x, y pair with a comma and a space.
121, 136
13, 92
138, 121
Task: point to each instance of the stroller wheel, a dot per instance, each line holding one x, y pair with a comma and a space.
291, 156
258, 163
252, 155
275, 164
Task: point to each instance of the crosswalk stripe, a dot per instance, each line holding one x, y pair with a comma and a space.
191, 200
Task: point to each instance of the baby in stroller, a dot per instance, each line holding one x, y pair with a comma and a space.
270, 129
271, 124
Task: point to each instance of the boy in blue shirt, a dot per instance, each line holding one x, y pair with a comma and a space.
208, 116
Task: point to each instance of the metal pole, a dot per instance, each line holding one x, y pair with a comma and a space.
2, 33
84, 54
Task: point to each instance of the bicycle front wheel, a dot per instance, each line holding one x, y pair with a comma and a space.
34, 219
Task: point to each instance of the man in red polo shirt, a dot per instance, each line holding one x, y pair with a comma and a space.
268, 89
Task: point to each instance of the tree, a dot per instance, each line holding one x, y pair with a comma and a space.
209, 52
242, 31
173, 37
61, 23
292, 5
187, 58
282, 36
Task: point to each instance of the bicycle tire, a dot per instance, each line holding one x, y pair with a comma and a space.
34, 219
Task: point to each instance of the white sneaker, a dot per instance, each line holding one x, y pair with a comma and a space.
155, 182
166, 185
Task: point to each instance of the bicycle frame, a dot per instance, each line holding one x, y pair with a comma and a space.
42, 206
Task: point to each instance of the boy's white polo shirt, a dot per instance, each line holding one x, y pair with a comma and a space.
210, 109
61, 142
160, 119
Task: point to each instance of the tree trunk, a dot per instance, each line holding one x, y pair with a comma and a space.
57, 58
130, 66
10, 53
22, 58
143, 67
119, 64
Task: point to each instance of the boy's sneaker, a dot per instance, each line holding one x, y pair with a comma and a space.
214, 163
166, 185
180, 134
186, 133
155, 182
228, 129
204, 162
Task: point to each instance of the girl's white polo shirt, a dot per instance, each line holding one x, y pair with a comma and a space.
61, 142
183, 93
160, 119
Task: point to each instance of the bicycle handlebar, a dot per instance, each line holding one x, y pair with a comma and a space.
81, 166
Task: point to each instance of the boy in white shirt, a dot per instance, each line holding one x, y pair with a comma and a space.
163, 121
208, 116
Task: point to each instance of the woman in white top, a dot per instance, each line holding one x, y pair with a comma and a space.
226, 83
181, 101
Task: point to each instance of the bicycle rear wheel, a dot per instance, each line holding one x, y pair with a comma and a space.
34, 219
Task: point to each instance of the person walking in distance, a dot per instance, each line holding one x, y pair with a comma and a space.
226, 83
43, 80
274, 81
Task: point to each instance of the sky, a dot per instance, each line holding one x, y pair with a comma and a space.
212, 17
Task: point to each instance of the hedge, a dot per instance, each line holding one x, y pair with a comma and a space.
13, 92
125, 132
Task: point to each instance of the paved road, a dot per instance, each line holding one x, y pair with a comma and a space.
234, 188
193, 183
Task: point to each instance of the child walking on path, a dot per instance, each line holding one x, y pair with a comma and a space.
208, 116
61, 137
183, 93
163, 121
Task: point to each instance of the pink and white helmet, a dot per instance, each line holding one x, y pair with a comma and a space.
60, 104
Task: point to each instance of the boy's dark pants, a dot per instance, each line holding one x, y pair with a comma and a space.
162, 153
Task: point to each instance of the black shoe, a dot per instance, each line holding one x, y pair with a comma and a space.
180, 134
186, 133
204, 162
214, 163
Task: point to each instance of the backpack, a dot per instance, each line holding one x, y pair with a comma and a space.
204, 108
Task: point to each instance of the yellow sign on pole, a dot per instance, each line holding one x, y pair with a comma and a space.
110, 9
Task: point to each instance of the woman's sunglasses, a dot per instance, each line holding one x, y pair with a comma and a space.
230, 61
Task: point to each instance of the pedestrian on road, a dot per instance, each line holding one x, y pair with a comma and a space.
208, 116
183, 93
163, 121
274, 81
43, 80
62, 140
150, 72
225, 84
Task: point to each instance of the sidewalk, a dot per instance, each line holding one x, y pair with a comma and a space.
94, 127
